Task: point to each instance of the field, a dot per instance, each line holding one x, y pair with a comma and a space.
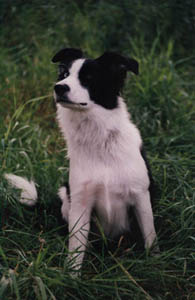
33, 241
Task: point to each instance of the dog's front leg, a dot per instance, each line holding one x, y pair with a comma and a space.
144, 215
79, 225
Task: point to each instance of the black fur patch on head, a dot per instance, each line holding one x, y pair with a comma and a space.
67, 55
115, 61
104, 77
99, 83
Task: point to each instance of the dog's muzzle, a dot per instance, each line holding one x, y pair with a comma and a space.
62, 97
61, 93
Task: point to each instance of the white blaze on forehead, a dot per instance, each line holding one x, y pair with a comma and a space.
76, 66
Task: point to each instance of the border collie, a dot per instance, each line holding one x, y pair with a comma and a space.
108, 172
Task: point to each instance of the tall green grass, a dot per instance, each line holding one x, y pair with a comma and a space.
33, 241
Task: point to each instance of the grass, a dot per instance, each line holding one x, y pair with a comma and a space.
33, 241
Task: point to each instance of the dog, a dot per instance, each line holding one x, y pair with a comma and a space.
108, 172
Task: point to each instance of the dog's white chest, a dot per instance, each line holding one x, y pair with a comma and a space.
103, 148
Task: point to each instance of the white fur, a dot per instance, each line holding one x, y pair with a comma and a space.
107, 171
28, 189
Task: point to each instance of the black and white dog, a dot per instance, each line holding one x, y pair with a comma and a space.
107, 170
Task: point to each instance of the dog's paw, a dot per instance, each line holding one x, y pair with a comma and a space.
155, 251
75, 267
75, 274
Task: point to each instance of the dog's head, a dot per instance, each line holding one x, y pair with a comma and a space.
83, 82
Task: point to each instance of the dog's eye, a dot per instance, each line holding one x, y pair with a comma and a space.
63, 72
66, 74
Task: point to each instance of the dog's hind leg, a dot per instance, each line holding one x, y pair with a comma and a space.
64, 194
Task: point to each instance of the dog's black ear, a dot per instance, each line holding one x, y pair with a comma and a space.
67, 55
109, 59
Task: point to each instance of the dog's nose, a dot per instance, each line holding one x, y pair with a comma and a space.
61, 89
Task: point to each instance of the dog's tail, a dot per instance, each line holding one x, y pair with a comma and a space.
28, 189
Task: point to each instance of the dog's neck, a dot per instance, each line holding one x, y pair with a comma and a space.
94, 120
95, 131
